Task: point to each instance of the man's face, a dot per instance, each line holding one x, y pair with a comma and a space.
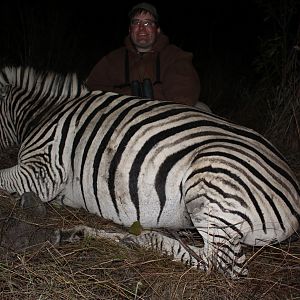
143, 31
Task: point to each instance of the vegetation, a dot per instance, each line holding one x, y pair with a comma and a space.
278, 88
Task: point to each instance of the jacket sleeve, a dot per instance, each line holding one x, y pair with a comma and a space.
181, 82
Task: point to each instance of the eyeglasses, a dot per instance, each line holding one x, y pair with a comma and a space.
145, 23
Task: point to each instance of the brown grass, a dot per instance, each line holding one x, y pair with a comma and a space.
101, 269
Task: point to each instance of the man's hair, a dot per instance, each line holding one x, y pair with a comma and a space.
142, 8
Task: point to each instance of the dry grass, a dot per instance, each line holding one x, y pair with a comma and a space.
101, 269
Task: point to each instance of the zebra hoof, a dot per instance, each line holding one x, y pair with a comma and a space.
72, 235
33, 205
129, 241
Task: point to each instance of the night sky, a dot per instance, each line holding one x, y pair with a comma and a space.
223, 35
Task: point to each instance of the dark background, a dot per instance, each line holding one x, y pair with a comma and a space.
227, 29
225, 37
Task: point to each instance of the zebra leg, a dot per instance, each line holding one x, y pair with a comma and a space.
154, 240
222, 248
80, 232
223, 253
187, 254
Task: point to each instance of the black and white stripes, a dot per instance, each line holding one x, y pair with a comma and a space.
159, 163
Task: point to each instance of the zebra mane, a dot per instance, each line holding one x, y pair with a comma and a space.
46, 81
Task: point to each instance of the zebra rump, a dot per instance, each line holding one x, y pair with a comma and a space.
162, 164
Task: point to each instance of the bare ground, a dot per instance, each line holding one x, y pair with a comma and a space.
31, 267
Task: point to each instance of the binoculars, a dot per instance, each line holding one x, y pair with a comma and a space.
142, 89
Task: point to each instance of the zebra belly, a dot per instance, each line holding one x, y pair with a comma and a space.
115, 184
149, 215
124, 209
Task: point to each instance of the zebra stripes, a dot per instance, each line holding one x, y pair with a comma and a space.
156, 162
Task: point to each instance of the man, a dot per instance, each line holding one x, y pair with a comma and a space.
148, 65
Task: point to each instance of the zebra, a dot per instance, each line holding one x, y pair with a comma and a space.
158, 163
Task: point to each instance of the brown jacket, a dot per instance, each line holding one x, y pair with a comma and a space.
175, 79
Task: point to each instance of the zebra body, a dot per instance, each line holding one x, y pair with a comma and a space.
159, 163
